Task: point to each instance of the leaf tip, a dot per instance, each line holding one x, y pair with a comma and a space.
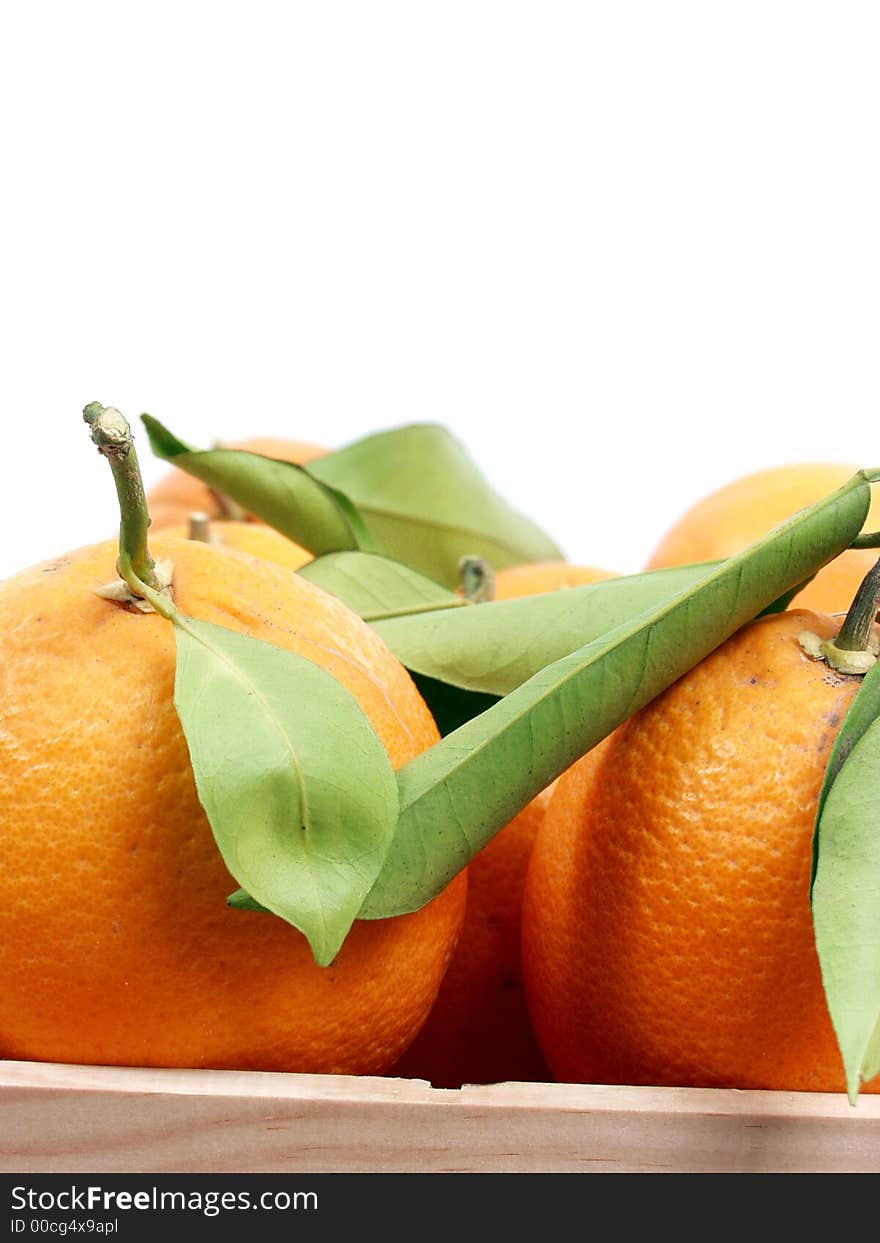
324, 957
241, 900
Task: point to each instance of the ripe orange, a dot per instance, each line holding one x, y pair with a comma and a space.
254, 538
177, 495
667, 932
116, 943
479, 1029
728, 520
532, 578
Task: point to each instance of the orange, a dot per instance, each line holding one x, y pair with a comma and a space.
729, 519
532, 578
254, 538
479, 1029
667, 931
116, 943
174, 497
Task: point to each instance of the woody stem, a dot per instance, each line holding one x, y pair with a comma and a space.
859, 621
112, 435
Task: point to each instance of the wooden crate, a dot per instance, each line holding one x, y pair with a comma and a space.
67, 1119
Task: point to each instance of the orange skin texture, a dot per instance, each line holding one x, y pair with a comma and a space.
538, 576
254, 538
116, 943
479, 1030
174, 497
736, 515
667, 932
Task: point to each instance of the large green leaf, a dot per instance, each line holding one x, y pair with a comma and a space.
284, 495
427, 504
468, 657
846, 906
861, 715
457, 795
302, 833
494, 647
462, 669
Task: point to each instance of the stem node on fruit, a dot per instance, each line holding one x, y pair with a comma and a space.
840, 659
476, 579
857, 644
120, 592
199, 528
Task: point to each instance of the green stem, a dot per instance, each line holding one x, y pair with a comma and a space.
160, 600
867, 539
112, 434
858, 625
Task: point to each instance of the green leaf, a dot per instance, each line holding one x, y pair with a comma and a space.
861, 715
375, 587
427, 504
846, 907
457, 795
303, 833
497, 650
492, 648
379, 590
284, 495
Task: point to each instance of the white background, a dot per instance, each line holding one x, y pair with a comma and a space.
626, 251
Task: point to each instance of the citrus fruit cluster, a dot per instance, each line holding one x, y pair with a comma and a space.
595, 862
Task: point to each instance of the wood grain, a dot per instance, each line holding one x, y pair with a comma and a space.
67, 1119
